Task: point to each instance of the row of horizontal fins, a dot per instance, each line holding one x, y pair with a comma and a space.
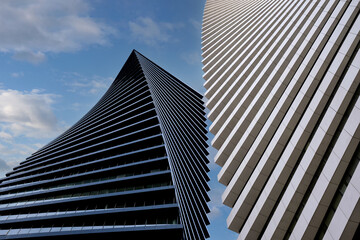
109, 173
282, 83
182, 120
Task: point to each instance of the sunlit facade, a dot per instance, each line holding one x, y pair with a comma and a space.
282, 80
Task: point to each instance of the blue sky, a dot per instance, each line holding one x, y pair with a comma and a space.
58, 57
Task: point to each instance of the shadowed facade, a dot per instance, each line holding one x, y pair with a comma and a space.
135, 166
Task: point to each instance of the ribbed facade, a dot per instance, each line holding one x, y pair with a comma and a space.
282, 80
134, 167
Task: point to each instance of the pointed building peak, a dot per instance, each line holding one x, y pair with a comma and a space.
134, 51
137, 53
147, 126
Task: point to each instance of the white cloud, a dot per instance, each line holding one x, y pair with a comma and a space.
146, 30
23, 117
27, 114
29, 29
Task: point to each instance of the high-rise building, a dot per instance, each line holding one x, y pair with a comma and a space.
282, 80
134, 167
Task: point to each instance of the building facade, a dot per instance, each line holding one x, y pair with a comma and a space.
134, 167
282, 80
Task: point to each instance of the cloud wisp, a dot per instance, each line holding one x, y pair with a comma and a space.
30, 29
215, 204
4, 168
17, 74
196, 24
29, 56
86, 85
192, 58
150, 32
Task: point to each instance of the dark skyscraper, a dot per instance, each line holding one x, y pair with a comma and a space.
134, 167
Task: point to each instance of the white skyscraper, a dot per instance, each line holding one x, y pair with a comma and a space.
282, 80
